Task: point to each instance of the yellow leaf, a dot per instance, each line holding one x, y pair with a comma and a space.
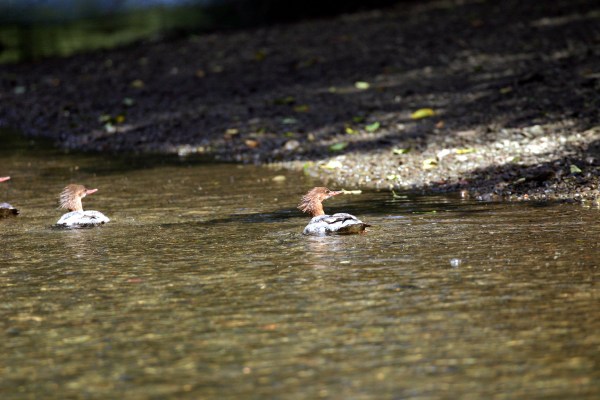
422, 113
466, 150
333, 164
362, 85
399, 151
430, 163
350, 130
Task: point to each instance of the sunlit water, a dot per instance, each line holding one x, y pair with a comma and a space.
202, 286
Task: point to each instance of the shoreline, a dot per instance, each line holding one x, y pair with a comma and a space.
497, 101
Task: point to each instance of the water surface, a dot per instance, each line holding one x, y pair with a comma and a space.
203, 287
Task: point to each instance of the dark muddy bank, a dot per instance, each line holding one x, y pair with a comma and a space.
511, 91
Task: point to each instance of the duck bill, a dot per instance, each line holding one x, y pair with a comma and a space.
4, 178
332, 193
90, 191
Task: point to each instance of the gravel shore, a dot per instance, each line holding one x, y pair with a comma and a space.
498, 100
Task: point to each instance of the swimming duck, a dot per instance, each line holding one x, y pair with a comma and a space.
322, 224
70, 199
6, 210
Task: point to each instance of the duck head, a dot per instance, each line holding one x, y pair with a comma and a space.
311, 202
70, 197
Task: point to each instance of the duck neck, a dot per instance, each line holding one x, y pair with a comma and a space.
75, 205
316, 208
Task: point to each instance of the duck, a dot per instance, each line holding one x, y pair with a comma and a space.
322, 224
6, 210
70, 199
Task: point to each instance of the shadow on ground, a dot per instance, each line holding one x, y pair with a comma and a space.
489, 71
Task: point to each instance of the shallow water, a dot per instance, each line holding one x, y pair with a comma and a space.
203, 287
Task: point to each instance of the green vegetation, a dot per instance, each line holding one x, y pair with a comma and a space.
30, 42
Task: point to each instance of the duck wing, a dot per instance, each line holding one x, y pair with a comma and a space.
78, 219
340, 223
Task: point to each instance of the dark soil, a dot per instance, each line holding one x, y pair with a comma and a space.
513, 85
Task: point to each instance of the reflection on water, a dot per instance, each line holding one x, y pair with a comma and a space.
202, 286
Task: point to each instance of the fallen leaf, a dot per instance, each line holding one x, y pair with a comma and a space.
332, 164
251, 143
285, 100
338, 146
301, 108
138, 84
232, 131
350, 131
399, 151
466, 150
422, 113
289, 121
372, 127
362, 85
575, 169
119, 119
110, 128
430, 163
278, 178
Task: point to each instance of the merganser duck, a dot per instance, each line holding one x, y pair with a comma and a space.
322, 224
6, 210
70, 199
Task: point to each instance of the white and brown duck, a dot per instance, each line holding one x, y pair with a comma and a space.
70, 199
323, 224
6, 210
